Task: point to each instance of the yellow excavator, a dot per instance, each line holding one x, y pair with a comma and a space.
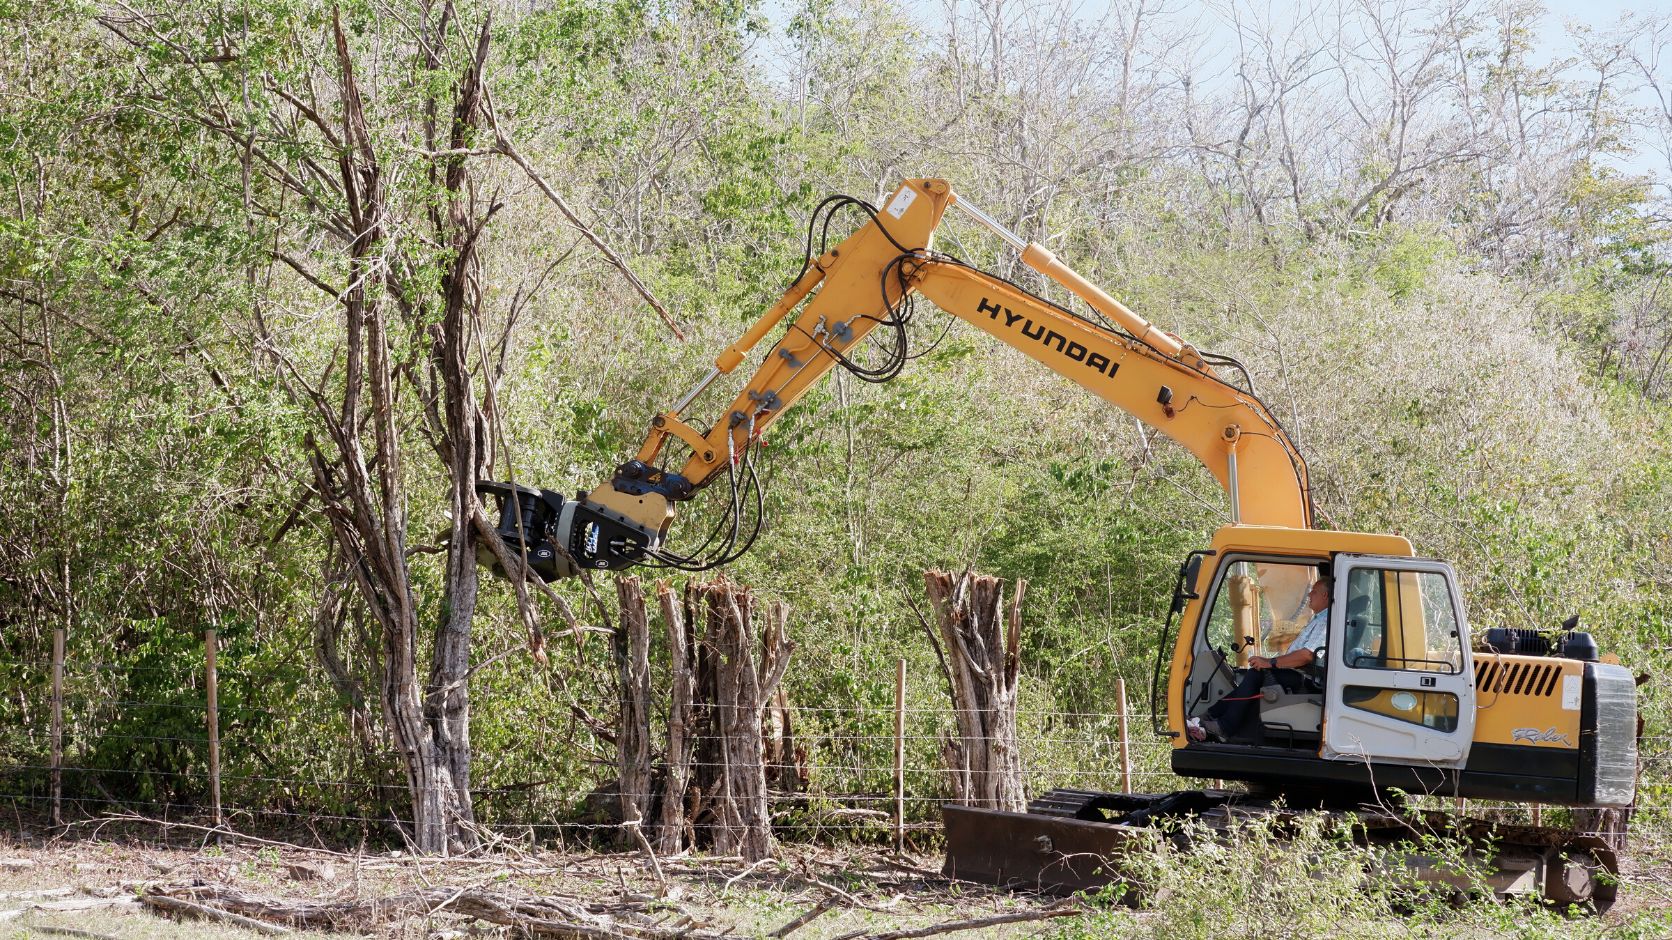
1401, 697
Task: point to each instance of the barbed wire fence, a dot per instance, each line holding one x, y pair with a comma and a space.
859, 785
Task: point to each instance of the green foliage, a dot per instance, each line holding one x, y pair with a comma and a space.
1311, 880
1490, 393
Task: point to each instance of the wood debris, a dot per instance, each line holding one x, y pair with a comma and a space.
554, 916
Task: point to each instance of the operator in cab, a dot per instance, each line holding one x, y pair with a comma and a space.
1225, 718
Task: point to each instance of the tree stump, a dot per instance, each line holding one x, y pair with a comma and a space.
729, 730
744, 684
982, 638
632, 654
786, 759
671, 823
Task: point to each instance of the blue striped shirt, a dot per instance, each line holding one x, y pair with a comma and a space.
1313, 634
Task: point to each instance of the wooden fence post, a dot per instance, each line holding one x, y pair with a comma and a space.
57, 726
1125, 752
900, 756
211, 684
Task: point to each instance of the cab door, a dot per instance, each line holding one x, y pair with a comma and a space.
1398, 675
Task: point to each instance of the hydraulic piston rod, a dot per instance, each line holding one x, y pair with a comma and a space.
1040, 258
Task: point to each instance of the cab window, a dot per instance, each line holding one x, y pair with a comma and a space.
1400, 620
1260, 608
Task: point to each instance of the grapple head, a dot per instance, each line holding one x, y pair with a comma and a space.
557, 537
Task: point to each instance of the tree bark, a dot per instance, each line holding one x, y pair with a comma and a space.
632, 652
982, 639
743, 685
447, 695
671, 824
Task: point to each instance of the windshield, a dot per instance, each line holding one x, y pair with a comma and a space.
1260, 608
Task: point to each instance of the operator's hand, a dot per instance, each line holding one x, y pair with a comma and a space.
1263, 662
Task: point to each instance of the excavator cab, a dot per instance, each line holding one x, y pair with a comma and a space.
1402, 688
1400, 695
1390, 682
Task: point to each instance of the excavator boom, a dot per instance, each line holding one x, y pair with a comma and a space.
865, 284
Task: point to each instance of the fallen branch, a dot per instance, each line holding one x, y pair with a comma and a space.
555, 916
220, 831
65, 907
182, 906
957, 925
743, 874
70, 932
838, 892
812, 914
42, 893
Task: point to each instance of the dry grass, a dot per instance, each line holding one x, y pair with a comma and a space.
872, 891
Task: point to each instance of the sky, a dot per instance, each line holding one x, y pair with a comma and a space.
1553, 41
1602, 13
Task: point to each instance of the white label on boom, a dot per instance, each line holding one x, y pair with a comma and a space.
902, 202
1570, 692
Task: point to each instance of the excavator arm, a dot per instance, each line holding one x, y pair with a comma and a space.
862, 285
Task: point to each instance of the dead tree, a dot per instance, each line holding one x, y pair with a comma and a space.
671, 825
632, 654
743, 684
982, 640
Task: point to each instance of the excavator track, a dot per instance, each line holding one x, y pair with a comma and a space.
1075, 840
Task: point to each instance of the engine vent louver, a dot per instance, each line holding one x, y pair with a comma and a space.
1516, 678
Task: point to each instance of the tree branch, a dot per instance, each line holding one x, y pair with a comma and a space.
502, 143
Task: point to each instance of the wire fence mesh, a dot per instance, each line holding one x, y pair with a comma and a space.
123, 755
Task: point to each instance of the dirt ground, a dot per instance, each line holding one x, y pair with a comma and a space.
89, 886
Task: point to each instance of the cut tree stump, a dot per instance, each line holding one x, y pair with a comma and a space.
786, 759
632, 652
744, 684
671, 827
982, 638
730, 737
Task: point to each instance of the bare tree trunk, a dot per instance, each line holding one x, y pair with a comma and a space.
365, 495
671, 825
632, 652
744, 825
982, 640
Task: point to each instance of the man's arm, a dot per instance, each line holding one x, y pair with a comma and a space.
1296, 659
